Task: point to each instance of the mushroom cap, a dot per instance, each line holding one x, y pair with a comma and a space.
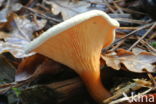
78, 41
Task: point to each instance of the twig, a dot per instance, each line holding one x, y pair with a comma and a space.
8, 86
132, 11
125, 15
128, 28
108, 5
148, 46
152, 79
120, 92
131, 20
118, 1
118, 45
118, 7
152, 36
4, 90
42, 15
150, 29
128, 35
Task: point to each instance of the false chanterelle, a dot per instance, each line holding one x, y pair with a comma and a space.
77, 43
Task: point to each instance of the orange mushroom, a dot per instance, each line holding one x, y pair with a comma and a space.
77, 43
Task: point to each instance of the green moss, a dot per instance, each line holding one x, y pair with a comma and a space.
153, 44
17, 91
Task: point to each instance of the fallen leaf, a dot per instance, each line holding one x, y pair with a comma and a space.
143, 82
136, 51
4, 35
1, 2
71, 8
36, 65
20, 35
27, 67
136, 63
10, 7
7, 70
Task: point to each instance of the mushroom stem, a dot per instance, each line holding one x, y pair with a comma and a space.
95, 86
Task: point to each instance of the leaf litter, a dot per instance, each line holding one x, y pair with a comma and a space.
17, 29
69, 9
140, 63
20, 35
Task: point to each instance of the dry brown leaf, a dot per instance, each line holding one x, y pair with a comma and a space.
27, 67
1, 2
137, 50
136, 63
36, 65
20, 35
70, 8
10, 7
7, 71
3, 35
143, 82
